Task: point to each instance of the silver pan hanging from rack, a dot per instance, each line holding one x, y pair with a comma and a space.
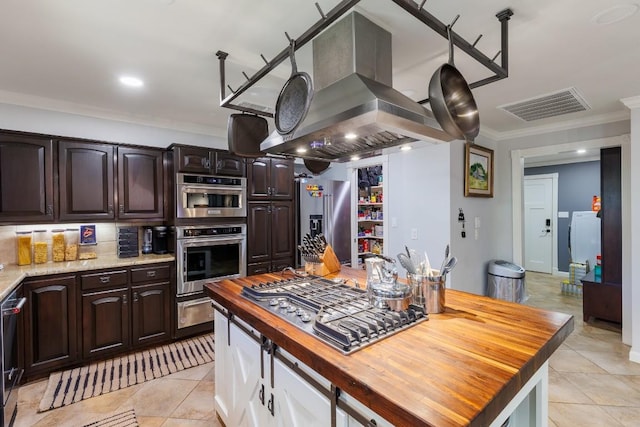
294, 98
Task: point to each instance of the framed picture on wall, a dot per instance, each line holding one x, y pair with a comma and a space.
478, 171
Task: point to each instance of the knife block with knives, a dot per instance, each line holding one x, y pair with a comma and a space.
319, 257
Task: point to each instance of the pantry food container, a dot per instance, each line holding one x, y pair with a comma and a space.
40, 247
23, 247
71, 240
57, 245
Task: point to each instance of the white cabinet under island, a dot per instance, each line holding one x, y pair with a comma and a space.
478, 363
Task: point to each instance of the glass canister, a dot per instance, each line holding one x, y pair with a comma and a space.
71, 238
23, 247
57, 245
40, 247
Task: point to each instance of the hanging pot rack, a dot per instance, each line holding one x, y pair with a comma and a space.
417, 10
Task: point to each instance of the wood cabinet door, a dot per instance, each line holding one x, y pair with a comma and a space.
281, 174
258, 178
105, 322
193, 159
86, 181
258, 232
140, 184
282, 238
151, 313
229, 164
26, 179
50, 324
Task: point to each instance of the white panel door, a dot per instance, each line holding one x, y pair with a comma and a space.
538, 222
248, 410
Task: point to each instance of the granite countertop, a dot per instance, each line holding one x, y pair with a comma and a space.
12, 274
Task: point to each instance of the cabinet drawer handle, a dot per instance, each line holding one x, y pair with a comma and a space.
121, 208
105, 279
124, 298
270, 405
135, 297
261, 394
151, 273
49, 209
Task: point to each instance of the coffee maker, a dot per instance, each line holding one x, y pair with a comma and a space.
159, 239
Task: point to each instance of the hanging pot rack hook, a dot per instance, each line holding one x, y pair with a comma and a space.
477, 40
288, 38
264, 59
454, 21
245, 75
320, 10
422, 4
231, 90
495, 56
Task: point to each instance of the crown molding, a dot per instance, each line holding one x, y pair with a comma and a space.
48, 104
631, 102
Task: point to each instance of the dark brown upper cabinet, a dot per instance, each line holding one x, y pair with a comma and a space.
86, 181
140, 183
26, 179
270, 179
207, 161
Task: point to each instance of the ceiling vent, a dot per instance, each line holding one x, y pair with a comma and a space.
554, 104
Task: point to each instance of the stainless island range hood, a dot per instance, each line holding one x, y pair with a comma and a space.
355, 111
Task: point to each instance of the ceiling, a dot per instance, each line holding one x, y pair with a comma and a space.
68, 55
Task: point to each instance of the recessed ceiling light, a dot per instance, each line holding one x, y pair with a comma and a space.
581, 151
301, 150
350, 135
615, 14
354, 158
131, 81
405, 148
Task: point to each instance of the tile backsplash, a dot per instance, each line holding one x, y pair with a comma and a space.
106, 235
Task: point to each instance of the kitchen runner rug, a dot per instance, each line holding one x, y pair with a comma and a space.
123, 419
74, 385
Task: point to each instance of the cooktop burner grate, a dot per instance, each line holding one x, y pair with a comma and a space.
332, 311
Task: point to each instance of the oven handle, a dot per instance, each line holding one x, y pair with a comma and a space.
198, 241
235, 189
15, 309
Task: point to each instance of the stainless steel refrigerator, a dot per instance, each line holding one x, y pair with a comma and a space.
324, 206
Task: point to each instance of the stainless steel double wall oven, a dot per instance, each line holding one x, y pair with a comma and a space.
210, 242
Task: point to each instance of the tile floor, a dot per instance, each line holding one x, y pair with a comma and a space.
591, 381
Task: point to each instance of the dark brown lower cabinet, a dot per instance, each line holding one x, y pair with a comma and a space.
133, 315
50, 324
73, 319
151, 309
105, 322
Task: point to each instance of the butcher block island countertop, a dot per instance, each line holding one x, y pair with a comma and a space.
461, 367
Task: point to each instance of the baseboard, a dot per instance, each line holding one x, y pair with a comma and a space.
634, 355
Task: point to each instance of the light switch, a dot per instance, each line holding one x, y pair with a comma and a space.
477, 221
394, 221
414, 234
563, 214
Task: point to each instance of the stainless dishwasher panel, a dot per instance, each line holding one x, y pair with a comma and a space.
194, 312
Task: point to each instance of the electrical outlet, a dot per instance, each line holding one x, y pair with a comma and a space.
414, 234
477, 222
394, 221
477, 234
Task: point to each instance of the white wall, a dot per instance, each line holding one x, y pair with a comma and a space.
26, 119
473, 254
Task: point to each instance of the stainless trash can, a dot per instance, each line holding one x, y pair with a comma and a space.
506, 281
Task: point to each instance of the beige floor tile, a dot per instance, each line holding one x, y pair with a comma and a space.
150, 421
199, 404
605, 389
572, 361
160, 397
626, 416
32, 392
574, 415
197, 373
177, 422
563, 391
613, 363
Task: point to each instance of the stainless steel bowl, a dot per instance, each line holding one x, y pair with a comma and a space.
396, 296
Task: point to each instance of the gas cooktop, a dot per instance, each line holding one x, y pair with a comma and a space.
332, 311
